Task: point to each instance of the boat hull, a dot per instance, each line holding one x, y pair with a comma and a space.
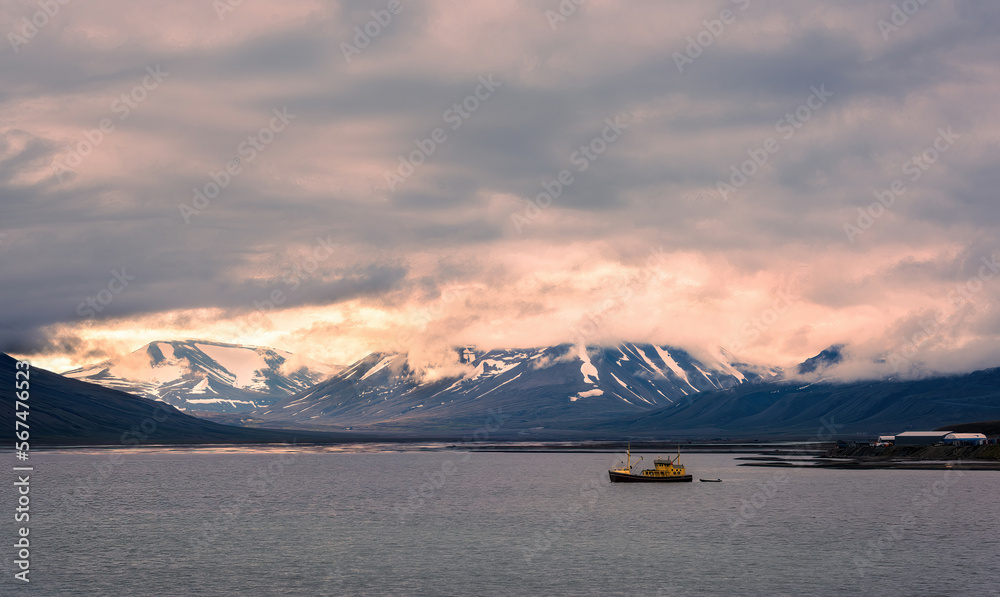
617, 477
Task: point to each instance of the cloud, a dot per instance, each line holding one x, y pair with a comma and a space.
437, 260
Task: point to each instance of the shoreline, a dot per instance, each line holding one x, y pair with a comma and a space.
956, 465
984, 457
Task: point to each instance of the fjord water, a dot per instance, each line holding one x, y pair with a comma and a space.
228, 521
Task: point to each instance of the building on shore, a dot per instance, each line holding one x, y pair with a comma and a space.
965, 439
921, 438
930, 438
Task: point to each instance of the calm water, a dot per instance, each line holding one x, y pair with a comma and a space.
224, 522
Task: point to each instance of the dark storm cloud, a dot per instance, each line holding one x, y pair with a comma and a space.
324, 175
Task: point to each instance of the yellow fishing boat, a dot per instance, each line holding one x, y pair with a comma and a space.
666, 470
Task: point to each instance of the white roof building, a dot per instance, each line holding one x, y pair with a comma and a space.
920, 438
965, 438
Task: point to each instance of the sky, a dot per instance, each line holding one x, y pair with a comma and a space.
335, 178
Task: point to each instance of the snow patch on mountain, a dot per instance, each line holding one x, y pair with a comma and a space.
652, 366
200, 387
587, 368
548, 383
186, 373
244, 366
731, 370
588, 394
670, 362
493, 367
625, 385
381, 365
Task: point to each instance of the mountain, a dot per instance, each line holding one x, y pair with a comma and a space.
201, 376
534, 387
822, 410
824, 360
548, 393
987, 428
64, 411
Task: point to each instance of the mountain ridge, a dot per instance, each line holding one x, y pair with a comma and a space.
824, 409
66, 411
205, 376
541, 383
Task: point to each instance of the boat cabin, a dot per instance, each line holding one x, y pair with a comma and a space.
665, 468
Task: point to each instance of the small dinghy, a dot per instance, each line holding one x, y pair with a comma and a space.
710, 480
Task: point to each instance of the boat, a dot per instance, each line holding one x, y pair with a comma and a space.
667, 470
710, 480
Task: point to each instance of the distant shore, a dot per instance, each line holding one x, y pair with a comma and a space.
887, 453
986, 458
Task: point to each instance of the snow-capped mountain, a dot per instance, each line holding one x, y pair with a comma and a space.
535, 385
201, 376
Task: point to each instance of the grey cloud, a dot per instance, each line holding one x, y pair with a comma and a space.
654, 186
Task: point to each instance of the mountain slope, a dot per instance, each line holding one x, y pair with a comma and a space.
823, 361
535, 386
201, 376
871, 407
65, 411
